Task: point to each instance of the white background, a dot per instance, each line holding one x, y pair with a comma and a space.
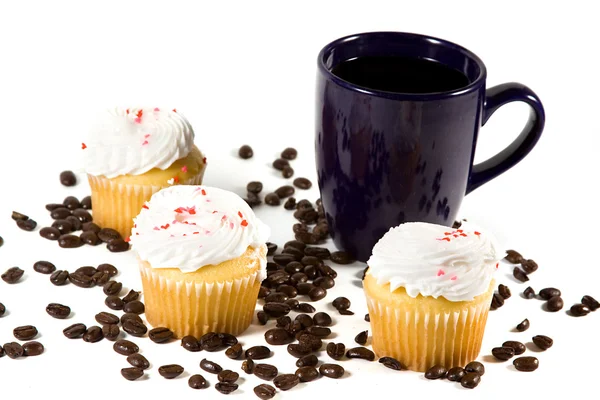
244, 72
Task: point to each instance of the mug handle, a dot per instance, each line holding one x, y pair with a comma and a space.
495, 98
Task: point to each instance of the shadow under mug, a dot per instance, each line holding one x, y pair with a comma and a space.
385, 158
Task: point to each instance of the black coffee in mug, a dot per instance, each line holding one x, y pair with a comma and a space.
400, 74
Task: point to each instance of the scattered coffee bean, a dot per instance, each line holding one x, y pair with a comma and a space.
160, 335
69, 241
517, 346
504, 291
248, 366
89, 238
13, 350
87, 271
26, 332
529, 293
17, 216
226, 388
2, 309
60, 213
83, 216
58, 311
53, 206
265, 371
93, 334
113, 302
138, 360
111, 331
322, 319
299, 350
289, 153
476, 366
12, 275
67, 178
129, 316
170, 371
135, 307
245, 152
529, 266
234, 352
285, 191
305, 320
81, 280
336, 350
326, 270
132, 373
555, 304
320, 252
287, 290
276, 297
523, 325
253, 200
117, 246
579, 310
341, 257
305, 288
100, 278
286, 381
526, 364
50, 233
197, 381
455, 374
27, 225
590, 302
317, 293
125, 347
90, 227
258, 352
302, 183
63, 226
520, 275
75, 223
361, 352
341, 303
31, 349
86, 203
272, 199
325, 282
210, 366
333, 371
307, 238
309, 339
277, 337
264, 391
362, 337
436, 372
74, 331
367, 318
276, 310
307, 361
513, 257
543, 342
44, 267
497, 301
135, 328
107, 235
228, 375
280, 163
319, 331
190, 343
307, 373
59, 278
112, 288
112, 271
287, 172
262, 317
503, 353
470, 380
254, 187
305, 308
548, 293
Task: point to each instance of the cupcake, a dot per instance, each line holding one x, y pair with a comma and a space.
202, 258
428, 290
131, 154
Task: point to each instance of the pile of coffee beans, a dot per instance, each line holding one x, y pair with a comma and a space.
469, 376
25, 334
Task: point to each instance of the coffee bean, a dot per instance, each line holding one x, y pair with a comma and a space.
307, 373
100, 278
245, 152
436, 372
367, 318
74, 331
503, 353
81, 280
12, 275
325, 282
295, 253
319, 331
135, 328
227, 339
254, 187
302, 183
305, 308
58, 311
60, 213
53, 206
504, 291
2, 309
520, 275
280, 163
117, 246
477, 367
253, 200
361, 352
258, 352
107, 235
263, 292
63, 226
310, 260
75, 222
497, 301
210, 366
125, 347
456, 374
322, 319
317, 293
517, 346
228, 376
391, 363
17, 216
289, 153
307, 361
276, 309
311, 273
579, 310
529, 293
197, 381
310, 340
211, 341
548, 293
362, 337
160, 335
305, 288
526, 364
307, 238
170, 371
341, 257
305, 320
67, 178
27, 225
226, 388
248, 366
13, 350
320, 252
50, 233
288, 172
470, 380
89, 238
234, 352
293, 268
286, 381
190, 343
523, 326
555, 304
93, 334
336, 350
69, 241
26, 332
306, 215
129, 316
513, 257
287, 290
276, 297
135, 307
105, 318
333, 371
132, 373
59, 278
543, 342
272, 199
112, 288
87, 271
285, 191
277, 337
326, 270
112, 271
590, 302
341, 303
86, 203
262, 317
138, 360
111, 331
44, 267
31, 349
265, 371
300, 228
264, 391
529, 266
90, 227
299, 350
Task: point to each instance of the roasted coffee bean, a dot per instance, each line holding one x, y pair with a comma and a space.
58, 311
333, 371
248, 366
288, 291
138, 360
436, 372
280, 163
317, 293
341, 257
263, 292
90, 227
113, 302
234, 352
548, 293
197, 381
111, 331
253, 200
298, 350
391, 363
470, 380
135, 307
2, 309
262, 317
277, 336
117, 246
320, 252
190, 343
210, 366
111, 269
503, 353
305, 320
311, 260
272, 199
476, 366
264, 391
319, 331
526, 364
579, 310
107, 235
520, 275
336, 350
529, 293
322, 319
283, 259
307, 361
346, 312
67, 178
304, 203
93, 334
86, 203
75, 222
305, 288
227, 339
289, 153
298, 277
100, 278
59, 278
276, 297
543, 342
341, 303
305, 308
87, 271
89, 238
314, 342
504, 291
170, 371
81, 280
307, 238
326, 270
12, 275
160, 335
300, 228
258, 352
69, 241
226, 388
361, 352
132, 373
555, 304
455, 374
74, 331
288, 172
307, 373
302, 183
286, 381
112, 288
517, 346
529, 266
276, 310
325, 282
362, 337
63, 226
513, 257
13, 350
125, 347
321, 229
297, 254
306, 216
27, 225
211, 341
228, 375
128, 316
294, 328
590, 302
523, 326
295, 244
17, 216
254, 187
53, 206
60, 213
497, 301
50, 233
135, 328
293, 268
265, 371
245, 152
311, 273
31, 349
26, 332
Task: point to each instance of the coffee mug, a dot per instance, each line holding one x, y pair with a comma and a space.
397, 120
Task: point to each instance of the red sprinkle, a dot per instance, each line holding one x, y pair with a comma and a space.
477, 233
165, 226
203, 192
127, 239
179, 210
156, 109
145, 143
204, 160
240, 214
176, 179
83, 146
146, 207
184, 169
174, 110
454, 278
244, 223
446, 239
459, 230
139, 113
196, 233
447, 233
441, 272
497, 265
127, 111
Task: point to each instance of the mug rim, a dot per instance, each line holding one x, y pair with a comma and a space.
472, 86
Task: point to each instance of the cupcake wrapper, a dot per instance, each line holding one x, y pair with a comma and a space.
422, 338
196, 308
115, 205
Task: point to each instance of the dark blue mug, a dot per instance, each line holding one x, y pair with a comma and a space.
399, 147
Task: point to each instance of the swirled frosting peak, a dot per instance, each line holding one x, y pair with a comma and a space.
434, 260
132, 141
188, 227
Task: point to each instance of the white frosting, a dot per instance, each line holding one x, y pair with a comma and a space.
434, 260
133, 141
188, 227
